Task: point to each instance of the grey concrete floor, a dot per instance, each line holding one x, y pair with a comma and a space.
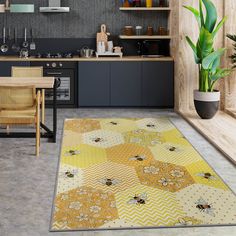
27, 183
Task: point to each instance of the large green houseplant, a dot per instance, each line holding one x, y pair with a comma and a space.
208, 59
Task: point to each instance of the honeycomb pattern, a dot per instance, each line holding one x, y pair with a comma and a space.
135, 173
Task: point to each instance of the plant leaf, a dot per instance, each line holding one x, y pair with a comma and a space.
191, 44
220, 73
196, 14
208, 61
204, 44
219, 26
201, 14
211, 15
215, 65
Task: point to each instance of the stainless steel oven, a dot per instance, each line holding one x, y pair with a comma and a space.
66, 73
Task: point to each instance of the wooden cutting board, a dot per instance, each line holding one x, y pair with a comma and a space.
103, 35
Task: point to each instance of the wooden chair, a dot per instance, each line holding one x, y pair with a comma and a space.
20, 106
31, 72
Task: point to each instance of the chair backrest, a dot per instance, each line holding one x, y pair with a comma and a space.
26, 71
15, 98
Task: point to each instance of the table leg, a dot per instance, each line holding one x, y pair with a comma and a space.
55, 111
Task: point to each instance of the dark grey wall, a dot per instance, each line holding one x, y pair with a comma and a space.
83, 21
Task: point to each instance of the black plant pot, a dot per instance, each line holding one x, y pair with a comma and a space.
206, 103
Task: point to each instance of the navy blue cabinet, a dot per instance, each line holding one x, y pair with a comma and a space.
126, 83
5, 67
158, 84
94, 84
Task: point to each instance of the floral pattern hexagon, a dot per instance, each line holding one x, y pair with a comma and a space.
164, 176
85, 208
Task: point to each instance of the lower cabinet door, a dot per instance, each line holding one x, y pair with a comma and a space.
94, 84
158, 84
126, 84
5, 67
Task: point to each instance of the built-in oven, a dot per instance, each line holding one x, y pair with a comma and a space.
66, 73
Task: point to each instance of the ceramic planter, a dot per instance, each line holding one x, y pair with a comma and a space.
206, 103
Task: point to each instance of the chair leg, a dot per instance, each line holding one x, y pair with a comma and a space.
43, 106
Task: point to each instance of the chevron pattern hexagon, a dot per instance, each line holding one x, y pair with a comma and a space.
118, 173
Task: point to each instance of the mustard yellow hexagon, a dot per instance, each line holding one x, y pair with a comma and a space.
71, 138
175, 136
158, 208
176, 154
83, 155
129, 154
81, 125
202, 173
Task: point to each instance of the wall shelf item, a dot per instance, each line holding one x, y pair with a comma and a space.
145, 9
22, 8
145, 37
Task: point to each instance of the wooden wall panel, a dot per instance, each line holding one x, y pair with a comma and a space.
230, 27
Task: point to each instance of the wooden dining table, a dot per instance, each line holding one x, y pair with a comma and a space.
39, 83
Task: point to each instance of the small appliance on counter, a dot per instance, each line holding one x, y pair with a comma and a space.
152, 48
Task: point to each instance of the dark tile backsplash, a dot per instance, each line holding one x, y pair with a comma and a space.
83, 21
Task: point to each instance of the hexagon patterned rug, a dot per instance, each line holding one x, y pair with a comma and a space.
135, 173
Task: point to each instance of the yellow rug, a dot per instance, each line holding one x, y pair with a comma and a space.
135, 173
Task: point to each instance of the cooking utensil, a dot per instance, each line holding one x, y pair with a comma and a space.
4, 47
86, 52
24, 53
25, 44
32, 44
103, 35
15, 46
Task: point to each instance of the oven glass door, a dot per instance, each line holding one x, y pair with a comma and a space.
66, 86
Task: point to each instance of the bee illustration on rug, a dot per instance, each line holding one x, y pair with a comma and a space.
138, 199
150, 125
98, 140
69, 174
109, 182
203, 206
207, 176
173, 148
113, 123
72, 153
138, 158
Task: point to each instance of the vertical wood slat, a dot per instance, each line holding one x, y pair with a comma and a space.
230, 27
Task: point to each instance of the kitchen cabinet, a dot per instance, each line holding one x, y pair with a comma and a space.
126, 83
5, 67
158, 84
94, 84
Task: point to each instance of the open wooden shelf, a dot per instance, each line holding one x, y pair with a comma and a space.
145, 9
220, 131
145, 37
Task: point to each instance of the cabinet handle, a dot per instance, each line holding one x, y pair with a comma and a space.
54, 73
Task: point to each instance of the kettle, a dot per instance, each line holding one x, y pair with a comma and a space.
86, 52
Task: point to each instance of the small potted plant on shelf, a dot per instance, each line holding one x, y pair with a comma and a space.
233, 56
208, 59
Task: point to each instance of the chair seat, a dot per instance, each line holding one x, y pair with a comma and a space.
25, 116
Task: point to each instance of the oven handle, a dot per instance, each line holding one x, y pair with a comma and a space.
54, 73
